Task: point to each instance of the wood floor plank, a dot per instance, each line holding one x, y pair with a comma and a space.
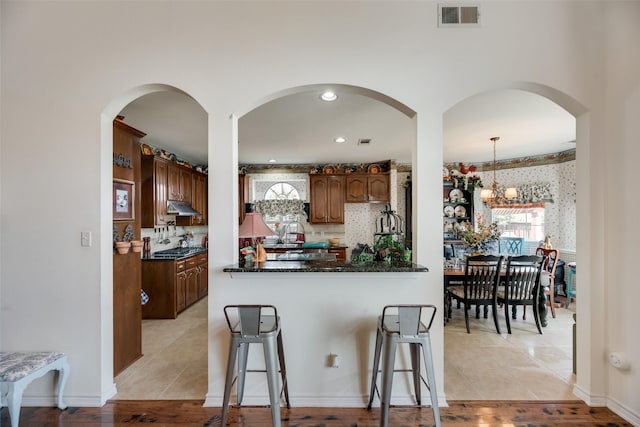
191, 413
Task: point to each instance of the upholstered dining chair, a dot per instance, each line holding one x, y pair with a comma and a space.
478, 288
549, 263
521, 286
511, 245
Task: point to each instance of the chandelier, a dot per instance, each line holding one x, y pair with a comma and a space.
495, 195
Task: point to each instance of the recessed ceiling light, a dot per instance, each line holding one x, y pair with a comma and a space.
272, 160
340, 140
328, 96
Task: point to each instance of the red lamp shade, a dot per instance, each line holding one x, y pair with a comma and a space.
254, 226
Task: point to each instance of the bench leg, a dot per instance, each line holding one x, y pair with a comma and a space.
63, 373
14, 401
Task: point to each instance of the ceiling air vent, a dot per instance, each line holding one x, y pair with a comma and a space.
457, 15
364, 141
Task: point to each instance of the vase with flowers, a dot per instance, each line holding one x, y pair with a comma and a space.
482, 238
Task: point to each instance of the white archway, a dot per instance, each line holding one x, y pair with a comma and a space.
107, 389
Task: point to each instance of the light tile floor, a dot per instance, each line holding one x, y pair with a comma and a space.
481, 365
523, 365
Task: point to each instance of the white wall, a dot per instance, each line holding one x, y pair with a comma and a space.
64, 64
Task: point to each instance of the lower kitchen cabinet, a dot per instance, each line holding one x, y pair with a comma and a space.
173, 285
202, 275
341, 253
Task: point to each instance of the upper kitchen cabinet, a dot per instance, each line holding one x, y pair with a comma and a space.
154, 191
179, 184
198, 201
326, 199
367, 188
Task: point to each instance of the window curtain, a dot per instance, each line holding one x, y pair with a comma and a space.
529, 196
280, 207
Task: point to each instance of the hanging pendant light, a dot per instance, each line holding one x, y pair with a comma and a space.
490, 195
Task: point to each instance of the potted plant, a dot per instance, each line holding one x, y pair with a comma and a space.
479, 240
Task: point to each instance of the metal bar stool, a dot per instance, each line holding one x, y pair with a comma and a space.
401, 324
255, 324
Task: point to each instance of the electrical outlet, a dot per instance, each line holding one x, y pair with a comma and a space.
85, 238
618, 361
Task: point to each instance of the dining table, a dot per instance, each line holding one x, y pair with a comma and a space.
454, 275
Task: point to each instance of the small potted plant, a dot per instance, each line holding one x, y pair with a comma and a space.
122, 246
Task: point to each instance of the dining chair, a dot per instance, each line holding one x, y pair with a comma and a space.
478, 288
511, 245
549, 263
521, 286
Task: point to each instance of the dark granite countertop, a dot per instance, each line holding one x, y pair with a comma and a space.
325, 267
174, 254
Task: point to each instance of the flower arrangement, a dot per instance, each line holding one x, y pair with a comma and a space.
478, 239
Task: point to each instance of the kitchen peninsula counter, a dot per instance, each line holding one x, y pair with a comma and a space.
324, 267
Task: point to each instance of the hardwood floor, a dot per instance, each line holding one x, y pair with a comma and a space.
191, 413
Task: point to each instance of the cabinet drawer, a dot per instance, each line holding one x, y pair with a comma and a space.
203, 258
191, 261
180, 266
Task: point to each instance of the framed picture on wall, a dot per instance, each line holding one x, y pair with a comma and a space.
123, 195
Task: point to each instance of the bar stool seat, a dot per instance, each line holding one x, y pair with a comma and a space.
401, 324
255, 324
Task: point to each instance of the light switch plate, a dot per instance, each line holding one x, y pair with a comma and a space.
85, 238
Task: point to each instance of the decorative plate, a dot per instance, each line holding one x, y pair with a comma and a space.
460, 211
449, 211
445, 172
146, 150
374, 169
328, 169
456, 195
448, 227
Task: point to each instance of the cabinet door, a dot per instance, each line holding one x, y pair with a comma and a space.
179, 184
192, 286
173, 183
181, 291
185, 185
356, 189
160, 190
198, 201
318, 199
203, 281
326, 199
335, 212
378, 188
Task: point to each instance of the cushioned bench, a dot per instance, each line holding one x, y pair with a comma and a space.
18, 369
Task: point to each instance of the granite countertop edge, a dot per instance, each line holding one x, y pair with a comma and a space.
324, 267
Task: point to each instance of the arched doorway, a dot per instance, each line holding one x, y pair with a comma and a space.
495, 125
160, 99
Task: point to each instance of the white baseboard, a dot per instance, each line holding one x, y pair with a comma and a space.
623, 411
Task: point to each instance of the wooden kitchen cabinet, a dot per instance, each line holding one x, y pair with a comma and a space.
341, 253
326, 199
191, 291
173, 285
198, 201
361, 188
203, 275
154, 191
179, 183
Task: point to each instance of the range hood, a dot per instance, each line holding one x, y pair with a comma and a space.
181, 209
